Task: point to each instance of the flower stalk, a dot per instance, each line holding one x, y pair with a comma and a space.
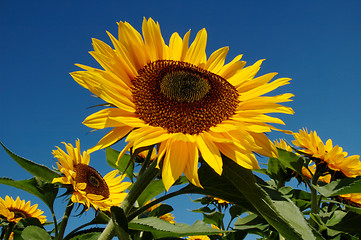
64, 222
138, 187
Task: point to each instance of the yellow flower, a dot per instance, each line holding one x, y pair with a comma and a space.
14, 210
353, 199
283, 145
333, 156
174, 96
88, 186
166, 217
198, 238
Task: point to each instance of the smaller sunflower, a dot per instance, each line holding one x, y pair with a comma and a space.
353, 199
87, 186
333, 156
166, 217
14, 210
283, 145
203, 237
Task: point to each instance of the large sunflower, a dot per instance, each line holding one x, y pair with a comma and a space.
173, 95
87, 186
14, 210
333, 156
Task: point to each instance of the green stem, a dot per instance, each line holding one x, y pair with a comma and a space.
55, 223
64, 222
138, 187
314, 201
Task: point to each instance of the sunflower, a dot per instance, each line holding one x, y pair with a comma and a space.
281, 143
172, 95
204, 237
166, 217
87, 186
333, 156
353, 199
14, 210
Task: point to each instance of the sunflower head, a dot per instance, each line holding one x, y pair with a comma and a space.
14, 210
332, 158
353, 199
176, 97
85, 184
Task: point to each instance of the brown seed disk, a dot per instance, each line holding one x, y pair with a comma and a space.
19, 213
95, 184
187, 115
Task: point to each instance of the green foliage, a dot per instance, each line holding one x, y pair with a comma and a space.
125, 164
160, 228
35, 169
34, 232
43, 190
341, 186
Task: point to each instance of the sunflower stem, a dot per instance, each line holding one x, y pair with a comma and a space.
64, 222
138, 187
314, 201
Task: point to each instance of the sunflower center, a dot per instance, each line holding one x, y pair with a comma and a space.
182, 98
95, 184
184, 87
19, 213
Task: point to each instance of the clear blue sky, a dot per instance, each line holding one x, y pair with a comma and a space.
316, 43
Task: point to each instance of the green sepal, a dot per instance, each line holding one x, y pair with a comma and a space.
35, 169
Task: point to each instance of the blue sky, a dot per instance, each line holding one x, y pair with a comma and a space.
316, 43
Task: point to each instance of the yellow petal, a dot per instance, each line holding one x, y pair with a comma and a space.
175, 162
112, 137
196, 53
210, 153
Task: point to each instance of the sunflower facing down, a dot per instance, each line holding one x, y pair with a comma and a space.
333, 156
14, 210
88, 187
174, 96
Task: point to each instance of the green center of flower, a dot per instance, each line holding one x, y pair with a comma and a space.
184, 87
95, 184
182, 98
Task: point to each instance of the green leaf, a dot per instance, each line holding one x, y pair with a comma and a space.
47, 192
87, 236
345, 222
155, 188
24, 223
341, 186
34, 232
290, 160
215, 218
35, 169
160, 228
278, 210
251, 221
124, 166
161, 210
